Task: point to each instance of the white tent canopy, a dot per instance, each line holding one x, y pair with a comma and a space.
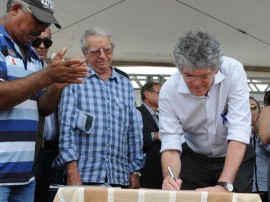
146, 31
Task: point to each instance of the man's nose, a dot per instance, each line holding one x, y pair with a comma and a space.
102, 54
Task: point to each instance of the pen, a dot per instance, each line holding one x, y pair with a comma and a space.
171, 173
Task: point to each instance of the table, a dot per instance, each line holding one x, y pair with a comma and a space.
98, 194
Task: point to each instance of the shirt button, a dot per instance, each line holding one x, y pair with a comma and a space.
108, 114
109, 129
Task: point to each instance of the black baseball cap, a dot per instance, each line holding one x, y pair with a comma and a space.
43, 10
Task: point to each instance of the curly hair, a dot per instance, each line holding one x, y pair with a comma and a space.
198, 49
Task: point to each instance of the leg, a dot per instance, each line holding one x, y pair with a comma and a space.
4, 193
23, 193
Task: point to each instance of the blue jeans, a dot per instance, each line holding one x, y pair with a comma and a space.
18, 193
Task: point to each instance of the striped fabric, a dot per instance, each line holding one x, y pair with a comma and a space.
93, 194
18, 125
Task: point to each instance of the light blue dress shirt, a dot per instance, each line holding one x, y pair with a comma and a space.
99, 129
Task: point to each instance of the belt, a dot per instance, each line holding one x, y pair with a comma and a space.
50, 144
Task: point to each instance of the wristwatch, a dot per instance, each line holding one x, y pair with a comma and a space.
227, 185
137, 173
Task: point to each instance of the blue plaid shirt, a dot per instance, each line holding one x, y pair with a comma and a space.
113, 146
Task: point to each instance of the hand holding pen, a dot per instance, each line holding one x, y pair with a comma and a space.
171, 173
171, 182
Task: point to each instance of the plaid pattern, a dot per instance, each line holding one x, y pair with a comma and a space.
113, 148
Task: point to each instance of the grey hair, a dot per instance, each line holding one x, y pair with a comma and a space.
95, 31
10, 3
198, 49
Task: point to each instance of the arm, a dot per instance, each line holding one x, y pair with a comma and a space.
134, 180
58, 71
136, 157
234, 157
264, 124
73, 176
68, 115
171, 158
51, 95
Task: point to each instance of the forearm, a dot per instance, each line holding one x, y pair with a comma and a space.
52, 96
171, 158
234, 157
73, 176
17, 91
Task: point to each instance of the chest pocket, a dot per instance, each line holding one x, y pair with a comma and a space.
121, 114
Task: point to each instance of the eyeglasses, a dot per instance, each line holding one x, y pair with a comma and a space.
96, 52
253, 107
42, 24
154, 91
202, 77
46, 41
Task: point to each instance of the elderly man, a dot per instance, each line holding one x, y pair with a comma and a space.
100, 141
207, 102
22, 100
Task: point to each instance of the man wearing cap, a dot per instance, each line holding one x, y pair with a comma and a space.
47, 142
22, 81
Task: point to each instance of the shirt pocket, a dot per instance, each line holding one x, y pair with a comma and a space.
85, 121
121, 114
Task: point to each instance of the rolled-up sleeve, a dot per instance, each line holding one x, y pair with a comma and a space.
67, 114
239, 117
136, 156
170, 128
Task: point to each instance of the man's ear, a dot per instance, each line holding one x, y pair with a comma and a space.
15, 8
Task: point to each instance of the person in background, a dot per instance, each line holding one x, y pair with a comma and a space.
207, 102
262, 154
264, 120
47, 149
264, 128
22, 81
42, 51
151, 172
100, 140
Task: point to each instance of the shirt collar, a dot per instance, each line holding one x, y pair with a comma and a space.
4, 32
152, 112
114, 75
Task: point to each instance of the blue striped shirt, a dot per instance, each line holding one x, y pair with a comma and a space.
113, 146
19, 124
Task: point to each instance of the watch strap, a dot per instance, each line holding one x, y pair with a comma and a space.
227, 185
